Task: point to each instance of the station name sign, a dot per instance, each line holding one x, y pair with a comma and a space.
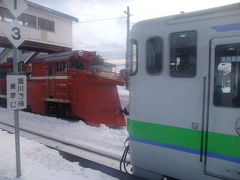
16, 92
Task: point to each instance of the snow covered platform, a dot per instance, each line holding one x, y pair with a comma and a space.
96, 166
41, 162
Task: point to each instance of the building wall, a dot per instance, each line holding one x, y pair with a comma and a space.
61, 36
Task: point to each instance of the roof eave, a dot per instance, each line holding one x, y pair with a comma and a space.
46, 9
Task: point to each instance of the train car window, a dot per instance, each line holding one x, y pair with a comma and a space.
183, 51
133, 57
61, 67
76, 64
154, 55
227, 75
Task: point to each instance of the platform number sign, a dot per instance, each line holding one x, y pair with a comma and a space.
16, 92
14, 31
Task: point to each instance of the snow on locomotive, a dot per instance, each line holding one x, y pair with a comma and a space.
73, 84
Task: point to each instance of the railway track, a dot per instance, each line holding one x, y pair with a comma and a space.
86, 156
95, 155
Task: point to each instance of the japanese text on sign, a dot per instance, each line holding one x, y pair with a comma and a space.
16, 92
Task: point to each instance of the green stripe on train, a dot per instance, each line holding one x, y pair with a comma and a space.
189, 138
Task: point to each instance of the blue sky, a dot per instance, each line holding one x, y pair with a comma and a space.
108, 37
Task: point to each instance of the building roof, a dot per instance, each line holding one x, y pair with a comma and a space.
43, 8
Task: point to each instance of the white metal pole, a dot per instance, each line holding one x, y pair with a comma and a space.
16, 118
127, 44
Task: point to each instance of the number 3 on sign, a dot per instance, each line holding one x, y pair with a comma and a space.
16, 34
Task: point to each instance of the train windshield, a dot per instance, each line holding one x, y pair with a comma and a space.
2, 72
227, 80
76, 64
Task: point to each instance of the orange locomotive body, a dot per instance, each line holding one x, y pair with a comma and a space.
71, 84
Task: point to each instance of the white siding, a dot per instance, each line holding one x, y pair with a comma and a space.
63, 29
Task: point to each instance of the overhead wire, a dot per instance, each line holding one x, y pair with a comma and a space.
106, 19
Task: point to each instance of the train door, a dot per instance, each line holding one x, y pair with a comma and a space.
223, 126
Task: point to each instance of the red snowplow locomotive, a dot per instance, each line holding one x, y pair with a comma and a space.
73, 84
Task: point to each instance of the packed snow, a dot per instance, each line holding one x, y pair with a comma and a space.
103, 138
78, 133
39, 162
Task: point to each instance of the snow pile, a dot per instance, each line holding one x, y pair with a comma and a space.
39, 162
102, 138
124, 96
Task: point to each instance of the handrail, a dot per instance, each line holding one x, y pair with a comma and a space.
203, 118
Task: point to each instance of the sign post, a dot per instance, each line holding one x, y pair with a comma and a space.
16, 84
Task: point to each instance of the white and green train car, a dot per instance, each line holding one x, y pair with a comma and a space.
185, 95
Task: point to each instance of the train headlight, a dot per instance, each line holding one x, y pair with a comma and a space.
80, 53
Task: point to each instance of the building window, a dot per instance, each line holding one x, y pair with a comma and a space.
61, 67
154, 53
28, 20
133, 57
45, 24
5, 15
183, 52
227, 75
1, 13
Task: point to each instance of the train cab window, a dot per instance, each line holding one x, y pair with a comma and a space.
154, 55
61, 67
76, 64
50, 70
227, 75
2, 73
183, 51
133, 57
